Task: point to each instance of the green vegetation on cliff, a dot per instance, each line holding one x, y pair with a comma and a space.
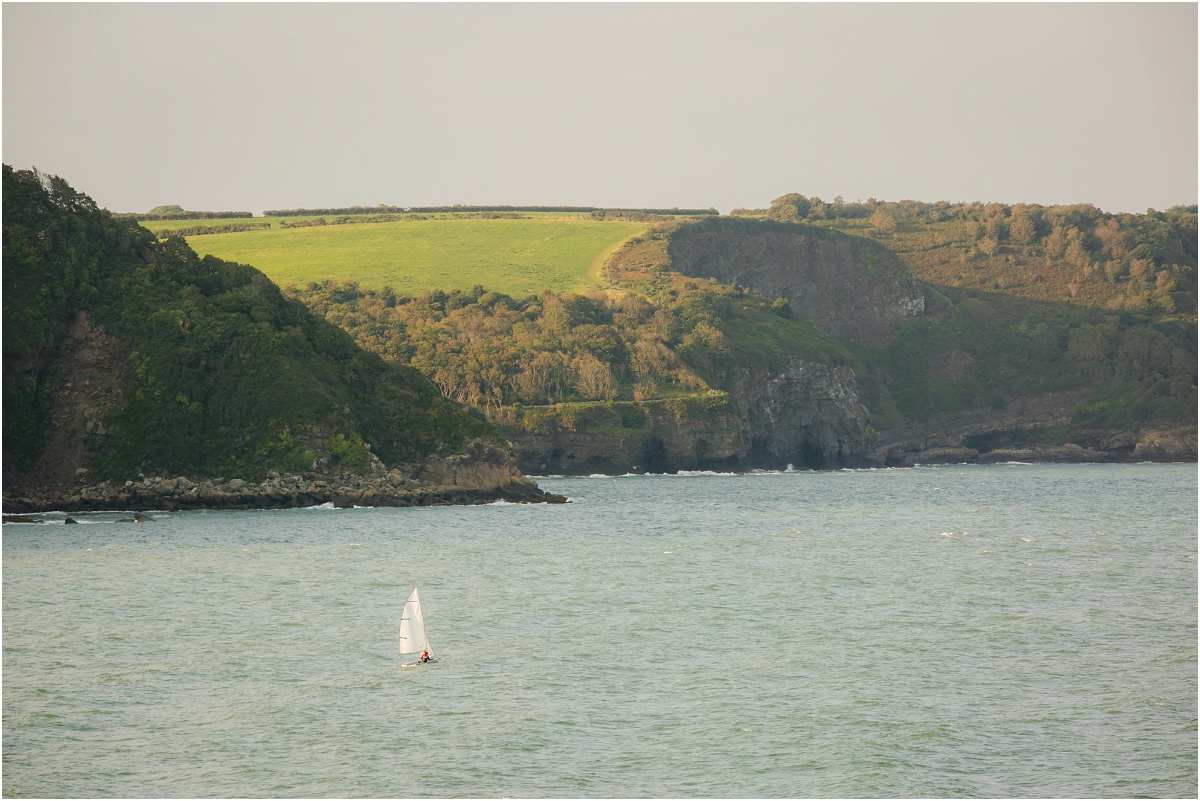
977, 350
221, 375
492, 351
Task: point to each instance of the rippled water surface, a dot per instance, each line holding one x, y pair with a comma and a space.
1012, 630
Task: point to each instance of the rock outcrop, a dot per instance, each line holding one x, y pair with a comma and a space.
846, 286
1027, 430
483, 474
86, 387
806, 415
481, 467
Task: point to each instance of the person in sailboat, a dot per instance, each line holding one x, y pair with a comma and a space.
424, 656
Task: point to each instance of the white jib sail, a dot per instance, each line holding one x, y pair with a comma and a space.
412, 628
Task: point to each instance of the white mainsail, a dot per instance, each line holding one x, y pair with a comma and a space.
412, 628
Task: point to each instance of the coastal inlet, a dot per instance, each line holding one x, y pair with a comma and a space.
955, 631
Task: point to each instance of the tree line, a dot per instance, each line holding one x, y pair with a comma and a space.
384, 209
179, 213
200, 230
317, 222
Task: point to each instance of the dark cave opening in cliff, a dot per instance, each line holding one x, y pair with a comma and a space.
811, 456
654, 454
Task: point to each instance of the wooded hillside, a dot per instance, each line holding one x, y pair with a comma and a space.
211, 370
1143, 263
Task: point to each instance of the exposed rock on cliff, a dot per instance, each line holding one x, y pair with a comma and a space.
806, 415
1166, 446
87, 386
973, 430
846, 286
660, 437
1027, 430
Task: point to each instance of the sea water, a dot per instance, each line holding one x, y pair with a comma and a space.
988, 631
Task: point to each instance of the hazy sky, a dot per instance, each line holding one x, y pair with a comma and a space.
262, 106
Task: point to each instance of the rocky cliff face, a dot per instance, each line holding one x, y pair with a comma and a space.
846, 286
1029, 430
800, 412
804, 414
807, 415
656, 437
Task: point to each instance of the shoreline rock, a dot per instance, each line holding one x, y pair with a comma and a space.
1099, 448
484, 474
151, 496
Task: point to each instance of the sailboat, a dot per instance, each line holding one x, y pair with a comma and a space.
413, 641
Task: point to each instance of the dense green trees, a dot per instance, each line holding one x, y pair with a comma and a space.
225, 375
179, 213
974, 349
490, 350
200, 230
457, 208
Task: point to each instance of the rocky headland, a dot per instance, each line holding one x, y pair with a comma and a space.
1098, 447
809, 414
1028, 430
483, 474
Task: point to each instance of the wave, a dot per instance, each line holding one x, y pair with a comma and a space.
86, 518
790, 470
940, 464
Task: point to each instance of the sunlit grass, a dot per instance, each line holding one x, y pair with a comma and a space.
517, 257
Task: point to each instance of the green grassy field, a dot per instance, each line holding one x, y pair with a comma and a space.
413, 257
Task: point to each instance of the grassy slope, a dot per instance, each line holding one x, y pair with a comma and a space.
517, 257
